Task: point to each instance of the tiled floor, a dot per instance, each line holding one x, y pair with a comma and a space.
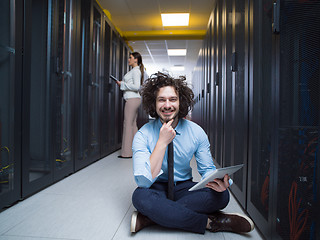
92, 204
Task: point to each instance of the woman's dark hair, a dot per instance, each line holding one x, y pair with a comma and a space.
137, 56
149, 91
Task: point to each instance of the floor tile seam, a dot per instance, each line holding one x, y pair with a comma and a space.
37, 237
92, 166
121, 222
63, 194
13, 226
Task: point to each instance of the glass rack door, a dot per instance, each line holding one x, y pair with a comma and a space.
107, 86
94, 88
119, 100
90, 83
113, 91
237, 101
36, 125
63, 74
218, 86
261, 116
9, 161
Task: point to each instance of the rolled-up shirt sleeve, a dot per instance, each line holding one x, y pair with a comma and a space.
204, 158
203, 155
141, 161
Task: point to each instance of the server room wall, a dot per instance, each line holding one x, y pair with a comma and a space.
59, 109
257, 96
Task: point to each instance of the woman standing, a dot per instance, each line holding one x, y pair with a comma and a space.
130, 86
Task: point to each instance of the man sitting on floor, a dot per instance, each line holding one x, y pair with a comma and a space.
169, 100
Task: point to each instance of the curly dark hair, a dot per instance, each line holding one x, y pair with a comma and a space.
149, 91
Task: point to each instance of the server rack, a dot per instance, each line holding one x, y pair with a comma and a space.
267, 90
10, 101
107, 88
37, 163
225, 87
236, 93
113, 90
261, 117
63, 85
297, 126
56, 98
88, 139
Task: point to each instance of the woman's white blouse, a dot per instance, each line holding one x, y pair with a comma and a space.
130, 83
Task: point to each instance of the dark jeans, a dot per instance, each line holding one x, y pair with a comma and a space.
189, 211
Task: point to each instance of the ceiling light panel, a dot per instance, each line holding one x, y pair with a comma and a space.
177, 52
175, 19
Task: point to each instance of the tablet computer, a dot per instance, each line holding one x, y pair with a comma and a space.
218, 173
113, 78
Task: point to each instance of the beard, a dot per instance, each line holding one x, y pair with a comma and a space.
167, 119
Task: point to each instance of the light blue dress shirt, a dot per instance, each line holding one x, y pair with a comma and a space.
190, 140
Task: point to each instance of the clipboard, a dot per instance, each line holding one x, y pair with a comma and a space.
218, 173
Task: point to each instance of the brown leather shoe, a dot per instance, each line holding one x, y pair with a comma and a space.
230, 222
139, 221
123, 157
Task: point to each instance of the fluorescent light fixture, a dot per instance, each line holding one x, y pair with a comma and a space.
175, 19
177, 52
177, 68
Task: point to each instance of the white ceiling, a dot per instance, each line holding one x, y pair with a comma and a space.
139, 22
155, 57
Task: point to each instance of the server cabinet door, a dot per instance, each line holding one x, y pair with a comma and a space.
261, 116
120, 105
227, 107
10, 164
203, 88
37, 159
63, 76
218, 84
211, 88
88, 138
107, 86
298, 133
237, 97
113, 94
208, 80
235, 93
94, 88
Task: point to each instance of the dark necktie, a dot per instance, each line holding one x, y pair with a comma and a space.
170, 171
